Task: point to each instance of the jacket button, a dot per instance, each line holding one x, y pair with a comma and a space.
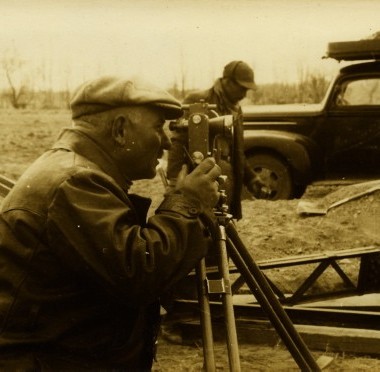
193, 211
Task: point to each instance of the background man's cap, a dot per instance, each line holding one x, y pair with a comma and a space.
110, 92
240, 72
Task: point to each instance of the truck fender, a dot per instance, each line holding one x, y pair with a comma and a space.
296, 149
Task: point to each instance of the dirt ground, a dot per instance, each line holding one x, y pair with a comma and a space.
275, 230
269, 230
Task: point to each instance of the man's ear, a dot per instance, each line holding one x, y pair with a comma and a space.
119, 129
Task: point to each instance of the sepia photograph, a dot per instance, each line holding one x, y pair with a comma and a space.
190, 185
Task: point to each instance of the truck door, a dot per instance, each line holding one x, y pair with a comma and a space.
354, 126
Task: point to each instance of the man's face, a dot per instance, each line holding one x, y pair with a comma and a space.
145, 143
234, 91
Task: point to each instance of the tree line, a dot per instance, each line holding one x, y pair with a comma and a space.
21, 91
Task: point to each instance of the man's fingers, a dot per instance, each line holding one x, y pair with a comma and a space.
208, 167
215, 172
205, 166
202, 183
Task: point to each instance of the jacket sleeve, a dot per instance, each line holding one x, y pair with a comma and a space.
94, 228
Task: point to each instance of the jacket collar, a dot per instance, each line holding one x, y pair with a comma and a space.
224, 103
79, 142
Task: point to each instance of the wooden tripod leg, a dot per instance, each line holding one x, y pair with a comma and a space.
221, 287
205, 318
229, 314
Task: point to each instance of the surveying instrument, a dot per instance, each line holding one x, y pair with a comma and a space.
201, 130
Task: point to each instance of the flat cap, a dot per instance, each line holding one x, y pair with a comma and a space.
240, 72
110, 92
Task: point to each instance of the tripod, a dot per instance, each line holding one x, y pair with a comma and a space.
228, 243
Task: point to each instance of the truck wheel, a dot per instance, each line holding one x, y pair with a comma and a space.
274, 174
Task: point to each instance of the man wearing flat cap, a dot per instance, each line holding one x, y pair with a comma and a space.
226, 93
81, 267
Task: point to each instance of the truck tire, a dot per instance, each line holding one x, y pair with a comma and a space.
274, 173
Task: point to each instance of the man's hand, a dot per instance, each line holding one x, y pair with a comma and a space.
201, 184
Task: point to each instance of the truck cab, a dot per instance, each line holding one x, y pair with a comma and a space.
290, 146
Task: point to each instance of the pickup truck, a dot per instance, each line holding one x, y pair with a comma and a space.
293, 145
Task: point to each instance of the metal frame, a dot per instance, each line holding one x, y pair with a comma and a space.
323, 261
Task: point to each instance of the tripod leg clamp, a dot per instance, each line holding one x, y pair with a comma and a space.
218, 286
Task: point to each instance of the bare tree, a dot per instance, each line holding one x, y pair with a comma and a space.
311, 86
19, 88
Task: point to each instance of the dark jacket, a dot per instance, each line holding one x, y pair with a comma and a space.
81, 270
233, 162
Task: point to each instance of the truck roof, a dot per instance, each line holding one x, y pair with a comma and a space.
373, 66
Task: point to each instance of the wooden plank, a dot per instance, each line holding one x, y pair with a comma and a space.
349, 340
6, 181
4, 190
359, 317
366, 302
6, 185
332, 339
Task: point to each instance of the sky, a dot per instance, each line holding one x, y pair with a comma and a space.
172, 41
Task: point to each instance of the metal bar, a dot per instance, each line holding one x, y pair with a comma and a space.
240, 281
315, 258
308, 282
275, 289
309, 259
237, 284
331, 257
347, 281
